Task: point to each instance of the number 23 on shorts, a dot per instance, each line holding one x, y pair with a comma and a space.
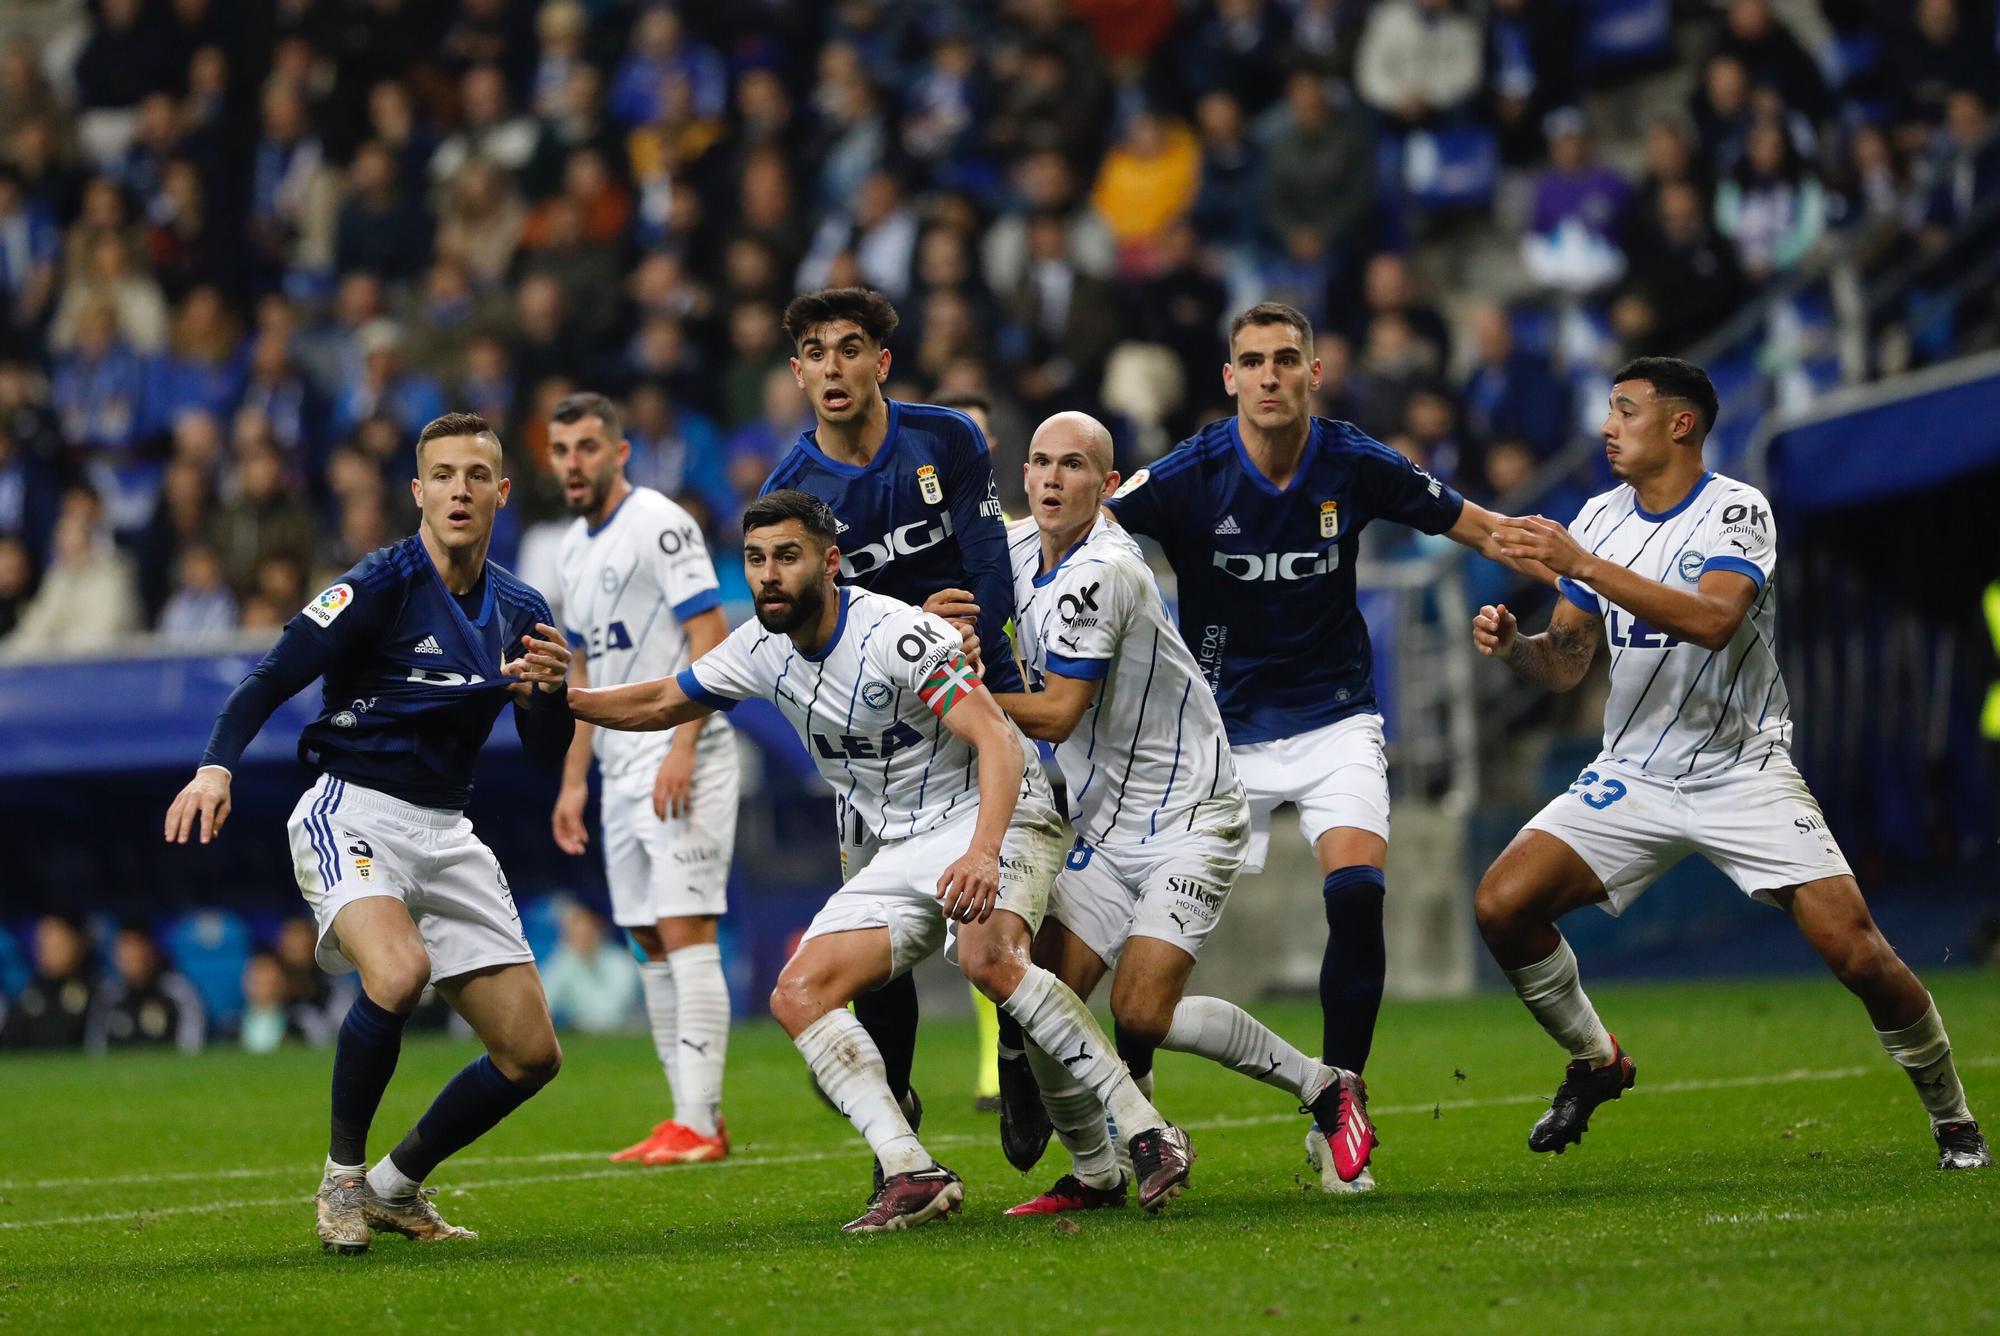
1611, 791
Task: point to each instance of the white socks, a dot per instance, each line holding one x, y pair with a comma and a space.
1223, 1032
1551, 990
385, 1180
1062, 1026
1078, 1120
662, 1015
848, 1067
1924, 1050
703, 1040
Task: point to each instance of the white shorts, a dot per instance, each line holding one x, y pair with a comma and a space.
1337, 775
1172, 888
897, 889
1762, 828
349, 843
677, 868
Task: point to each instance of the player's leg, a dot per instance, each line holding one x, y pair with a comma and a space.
690, 949
631, 856
505, 1006
1834, 918
1355, 965
888, 1012
810, 1001
1074, 1112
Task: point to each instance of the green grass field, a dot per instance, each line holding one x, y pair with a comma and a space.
1771, 1172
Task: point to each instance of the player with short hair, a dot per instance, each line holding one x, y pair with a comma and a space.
897, 720
1160, 816
912, 490
414, 643
639, 600
1674, 567
1260, 516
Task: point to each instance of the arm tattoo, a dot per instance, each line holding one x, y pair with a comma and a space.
1557, 659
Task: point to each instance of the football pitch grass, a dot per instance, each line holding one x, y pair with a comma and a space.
1771, 1172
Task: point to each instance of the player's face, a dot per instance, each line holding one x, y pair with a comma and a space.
1639, 429
1064, 486
458, 488
585, 462
789, 575
841, 370
1271, 375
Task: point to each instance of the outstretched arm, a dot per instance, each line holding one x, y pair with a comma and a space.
1555, 660
1478, 529
1708, 616
639, 707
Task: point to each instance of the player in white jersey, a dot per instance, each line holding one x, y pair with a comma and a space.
897, 721
1161, 819
638, 601
1675, 567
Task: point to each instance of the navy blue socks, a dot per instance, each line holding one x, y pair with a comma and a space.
1356, 961
371, 1039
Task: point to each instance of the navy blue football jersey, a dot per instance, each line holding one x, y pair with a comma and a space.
412, 680
921, 516
1267, 576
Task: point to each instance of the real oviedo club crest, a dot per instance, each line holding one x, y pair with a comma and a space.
928, 484
1329, 519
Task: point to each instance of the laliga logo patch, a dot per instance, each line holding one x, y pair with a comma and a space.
1329, 519
928, 484
1132, 484
1690, 567
330, 604
875, 695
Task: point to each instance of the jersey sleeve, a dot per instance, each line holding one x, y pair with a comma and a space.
923, 653
1583, 528
1393, 488
982, 539
1093, 602
1146, 502
686, 574
1739, 535
730, 672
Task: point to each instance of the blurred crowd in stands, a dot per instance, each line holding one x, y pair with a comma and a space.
102, 985
248, 247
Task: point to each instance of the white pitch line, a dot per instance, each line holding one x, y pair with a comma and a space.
1792, 1077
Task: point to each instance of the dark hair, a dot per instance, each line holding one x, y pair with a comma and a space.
1273, 313
864, 306
964, 400
454, 424
788, 503
587, 403
1672, 378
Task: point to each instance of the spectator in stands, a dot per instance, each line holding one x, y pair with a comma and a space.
203, 369
263, 518
941, 117
1964, 164
1934, 50
1148, 182
676, 449
126, 57
1335, 397
267, 1014
1685, 278
1573, 236
660, 49
29, 496
393, 120
293, 193
381, 229
1511, 392
1531, 71
17, 582
881, 234
1772, 56
89, 597
489, 130
53, 1011
481, 221
1388, 289
138, 309
1069, 320
387, 387
1721, 111
181, 517
1670, 156
188, 243
1319, 170
1299, 274
1044, 184
147, 1004
1772, 208
1420, 60
30, 246
1231, 171
1181, 306
592, 983
1394, 367
201, 608
317, 1000
1869, 188
1240, 50
293, 408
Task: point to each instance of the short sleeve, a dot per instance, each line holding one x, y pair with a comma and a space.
1145, 502
1391, 487
730, 672
1093, 602
686, 574
923, 653
1739, 535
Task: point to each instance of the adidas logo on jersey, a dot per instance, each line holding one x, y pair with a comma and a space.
839, 526
429, 645
1227, 526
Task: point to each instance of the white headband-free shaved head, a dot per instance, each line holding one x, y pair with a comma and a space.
1079, 431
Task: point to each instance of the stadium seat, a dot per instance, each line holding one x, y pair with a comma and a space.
211, 947
1452, 168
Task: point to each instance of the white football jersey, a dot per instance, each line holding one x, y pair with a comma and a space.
1149, 756
870, 709
1679, 711
625, 588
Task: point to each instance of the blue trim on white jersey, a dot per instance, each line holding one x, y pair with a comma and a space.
1084, 670
1580, 596
692, 688
839, 626
592, 530
1736, 566
697, 603
1675, 508
1041, 581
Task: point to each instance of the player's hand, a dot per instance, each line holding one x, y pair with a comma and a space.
673, 785
572, 836
969, 637
969, 887
203, 804
544, 660
1538, 538
954, 605
1494, 629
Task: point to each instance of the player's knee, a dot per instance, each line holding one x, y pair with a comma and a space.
538, 1065
397, 983
794, 1000
648, 940
1496, 906
1143, 1020
994, 966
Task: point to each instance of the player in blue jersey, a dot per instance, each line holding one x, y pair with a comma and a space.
421, 645
1260, 516
911, 486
